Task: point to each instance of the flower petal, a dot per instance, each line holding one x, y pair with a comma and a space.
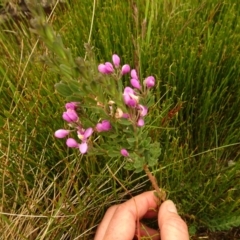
88, 132
140, 122
83, 147
61, 133
72, 143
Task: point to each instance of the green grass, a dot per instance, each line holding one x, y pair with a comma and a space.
50, 192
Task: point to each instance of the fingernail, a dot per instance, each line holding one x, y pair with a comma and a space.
171, 207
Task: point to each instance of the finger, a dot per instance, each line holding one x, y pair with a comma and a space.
172, 227
123, 222
151, 213
102, 227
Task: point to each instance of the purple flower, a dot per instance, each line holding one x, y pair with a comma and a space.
142, 110
135, 83
140, 122
72, 143
71, 105
106, 68
61, 133
124, 152
125, 69
129, 97
149, 82
134, 74
116, 60
104, 126
70, 116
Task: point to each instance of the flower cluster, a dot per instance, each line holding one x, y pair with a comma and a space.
132, 103
71, 116
131, 95
107, 67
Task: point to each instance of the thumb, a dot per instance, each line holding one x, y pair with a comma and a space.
171, 225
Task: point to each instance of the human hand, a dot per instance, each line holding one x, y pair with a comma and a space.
121, 221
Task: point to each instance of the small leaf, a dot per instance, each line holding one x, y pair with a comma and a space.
131, 140
123, 121
66, 70
63, 89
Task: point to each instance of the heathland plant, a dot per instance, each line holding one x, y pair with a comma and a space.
191, 49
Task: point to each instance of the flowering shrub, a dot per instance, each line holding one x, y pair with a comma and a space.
106, 109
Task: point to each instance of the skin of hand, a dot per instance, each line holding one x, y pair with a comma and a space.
121, 221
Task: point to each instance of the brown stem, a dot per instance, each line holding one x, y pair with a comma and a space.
161, 194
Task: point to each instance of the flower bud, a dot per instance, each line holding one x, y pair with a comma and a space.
106, 68
72, 143
125, 69
71, 105
104, 126
116, 60
124, 152
134, 74
135, 83
61, 133
109, 67
140, 122
70, 116
102, 69
149, 82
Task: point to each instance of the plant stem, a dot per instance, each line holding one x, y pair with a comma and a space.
160, 193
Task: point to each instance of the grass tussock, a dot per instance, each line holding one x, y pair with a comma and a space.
192, 48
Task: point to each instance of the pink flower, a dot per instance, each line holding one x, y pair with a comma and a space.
149, 82
72, 143
116, 60
140, 122
106, 68
71, 105
70, 115
125, 115
104, 126
134, 74
125, 69
124, 152
84, 134
109, 67
142, 110
135, 83
61, 133
129, 97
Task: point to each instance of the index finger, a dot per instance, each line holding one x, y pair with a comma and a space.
123, 221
